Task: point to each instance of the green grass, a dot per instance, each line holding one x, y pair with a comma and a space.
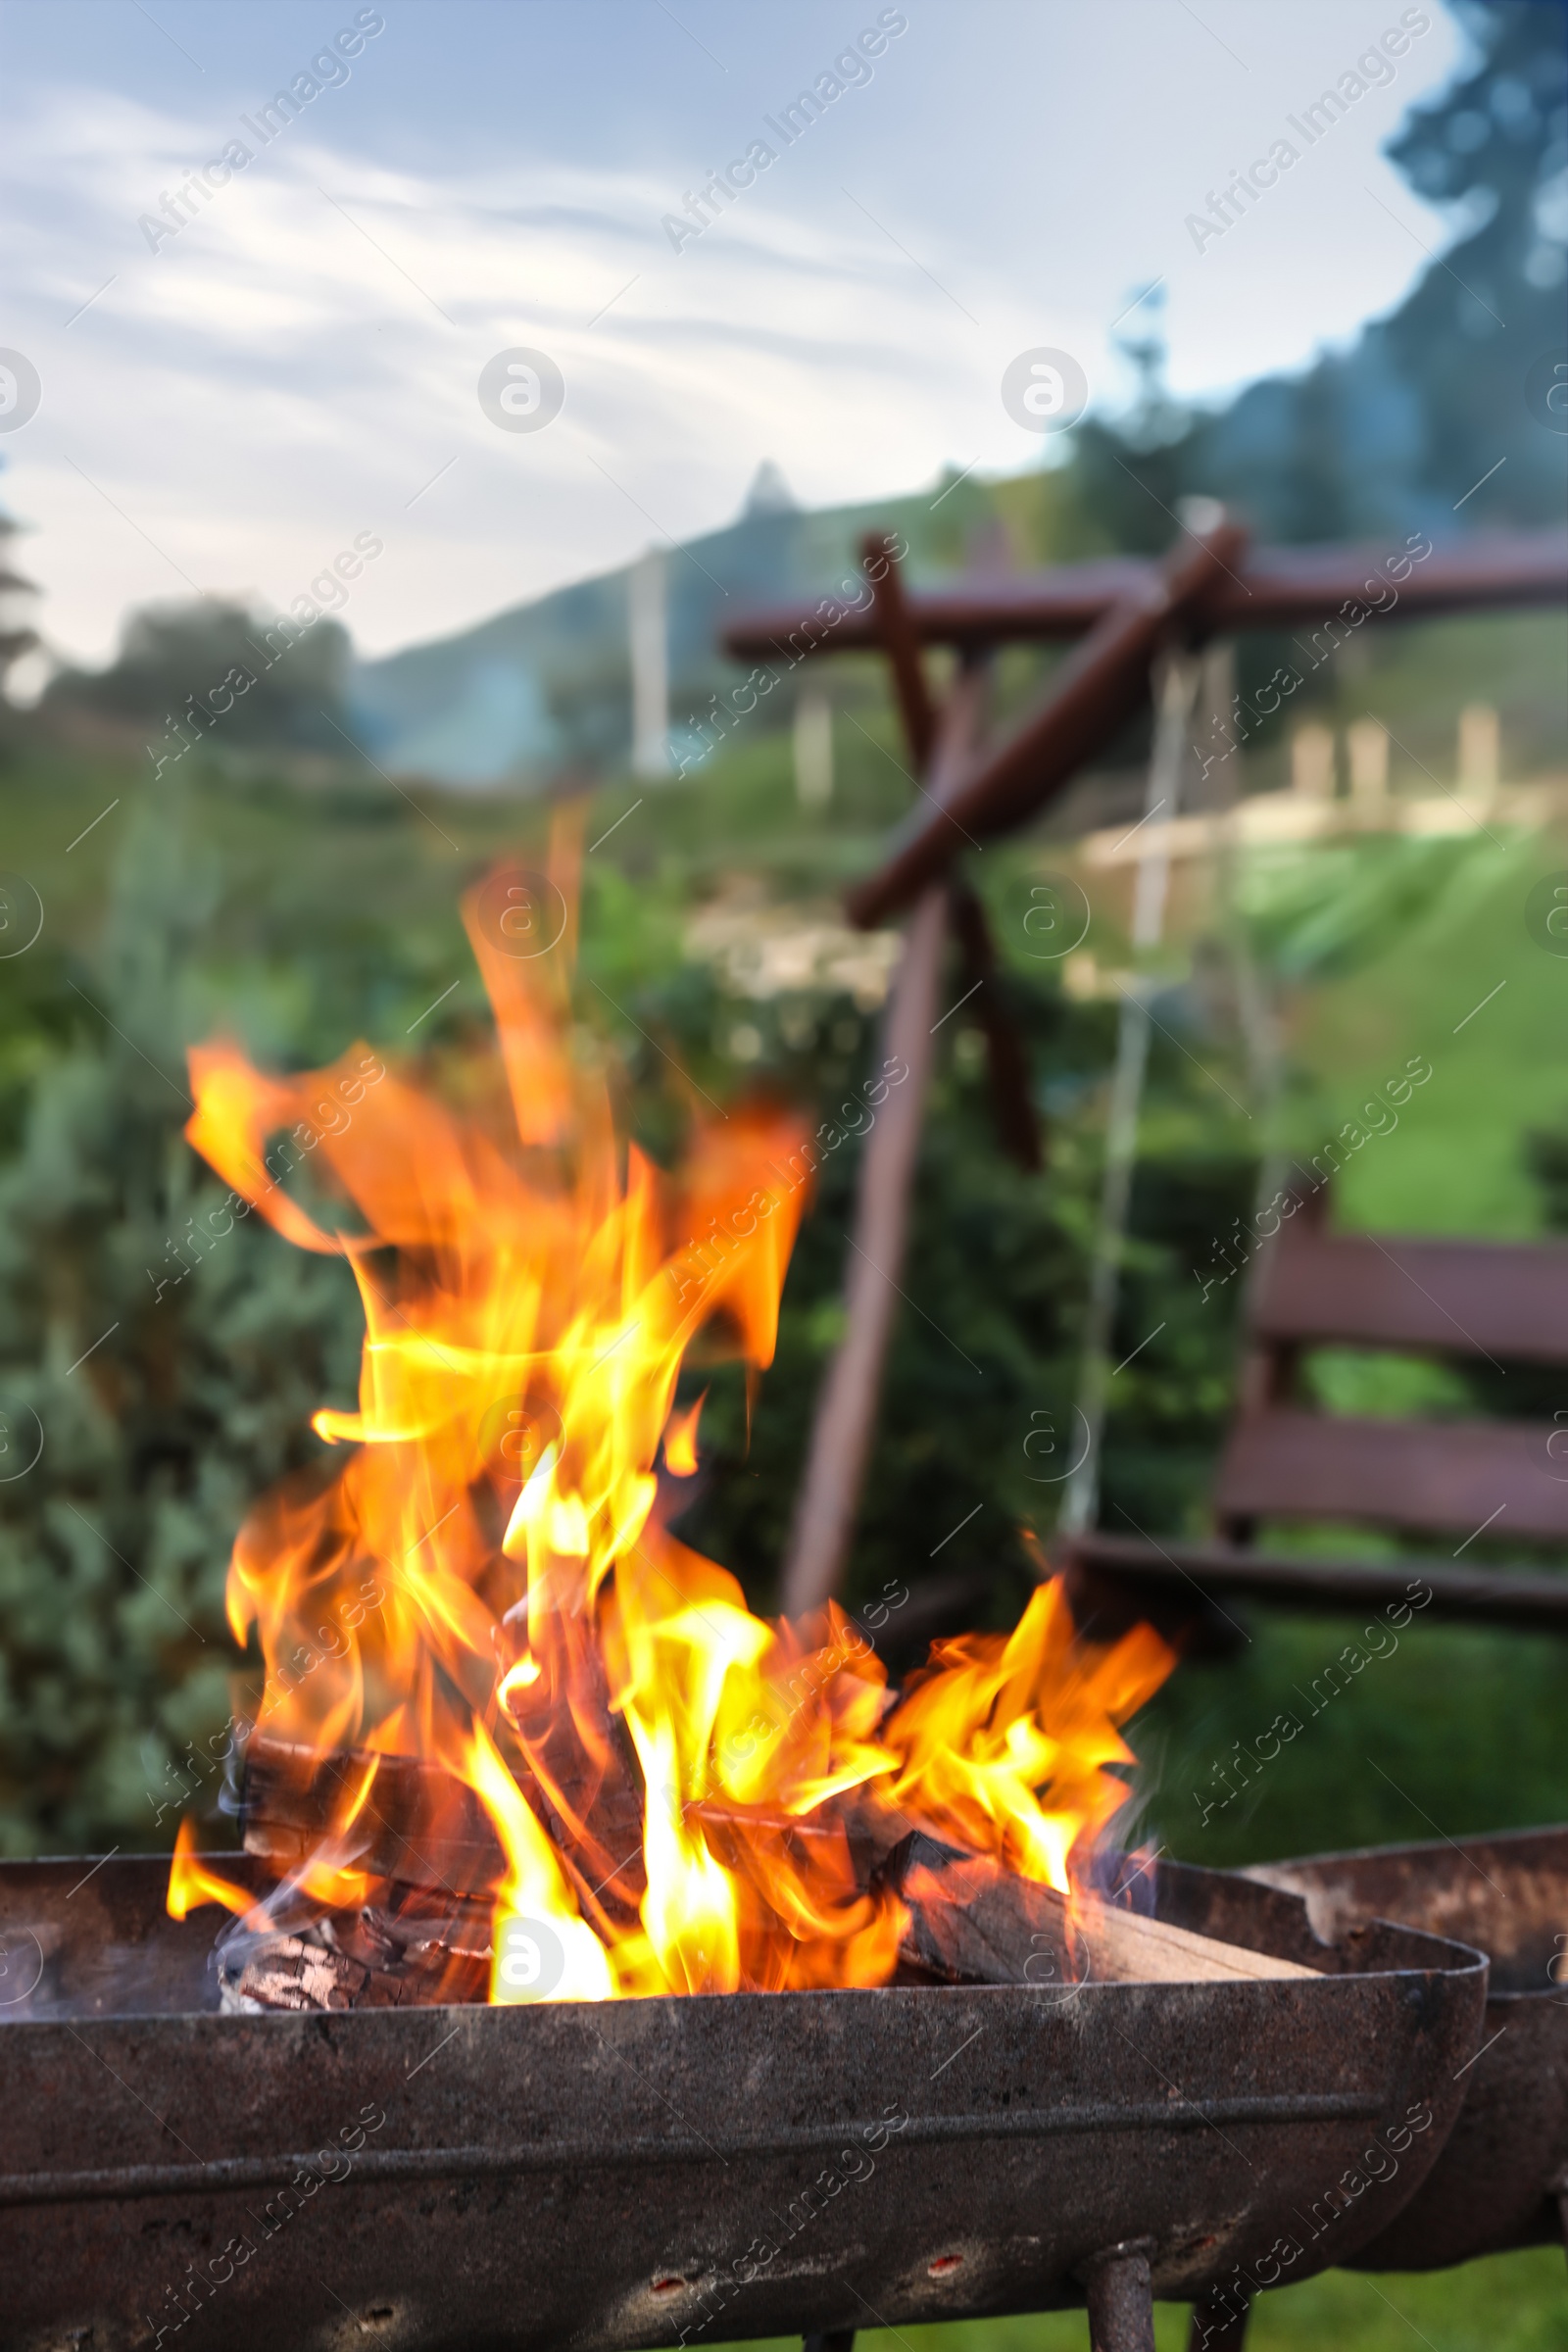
1455, 1165
1509, 2303
1450, 1731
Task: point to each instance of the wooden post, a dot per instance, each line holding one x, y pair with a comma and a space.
890, 608
1104, 680
1007, 1061
841, 1435
846, 1409
1275, 588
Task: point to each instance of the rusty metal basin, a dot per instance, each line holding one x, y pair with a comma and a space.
645, 2172
1499, 2180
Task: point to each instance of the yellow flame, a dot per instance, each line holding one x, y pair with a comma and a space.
191, 1884
531, 1289
680, 1440
533, 1893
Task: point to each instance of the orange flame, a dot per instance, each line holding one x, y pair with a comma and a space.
683, 1794
191, 1884
680, 1440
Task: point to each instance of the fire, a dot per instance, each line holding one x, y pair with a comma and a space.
191, 1884
681, 1441
487, 1601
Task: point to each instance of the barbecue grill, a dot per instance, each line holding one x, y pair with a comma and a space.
654, 2172
1503, 2178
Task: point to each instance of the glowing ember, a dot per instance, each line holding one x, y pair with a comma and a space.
685, 1797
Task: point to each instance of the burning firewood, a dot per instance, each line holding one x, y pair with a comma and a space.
418, 1825
972, 1922
409, 1949
576, 1772
414, 1822
290, 1972
557, 1755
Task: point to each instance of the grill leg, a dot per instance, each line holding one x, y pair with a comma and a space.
1121, 2299
1219, 2323
840, 2339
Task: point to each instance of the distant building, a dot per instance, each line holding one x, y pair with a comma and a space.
649, 632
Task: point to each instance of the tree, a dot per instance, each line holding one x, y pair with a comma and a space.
211, 671
166, 1380
1495, 147
1427, 416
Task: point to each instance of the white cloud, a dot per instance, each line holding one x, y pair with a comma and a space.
293, 367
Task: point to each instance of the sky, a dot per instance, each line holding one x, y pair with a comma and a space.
227, 404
